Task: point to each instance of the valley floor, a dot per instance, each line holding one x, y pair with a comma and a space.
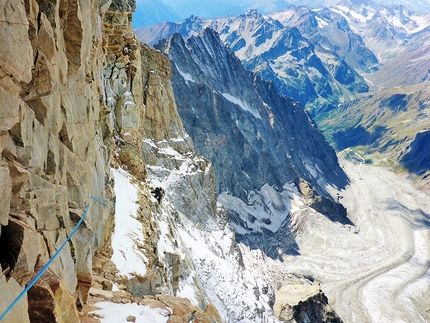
379, 270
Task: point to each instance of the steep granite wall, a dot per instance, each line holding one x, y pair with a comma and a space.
55, 145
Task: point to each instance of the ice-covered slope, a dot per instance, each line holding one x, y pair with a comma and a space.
202, 265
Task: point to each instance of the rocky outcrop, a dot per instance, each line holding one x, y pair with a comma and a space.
303, 303
334, 211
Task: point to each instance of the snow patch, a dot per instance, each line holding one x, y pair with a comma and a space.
266, 209
186, 76
118, 313
128, 231
321, 22
187, 291
164, 244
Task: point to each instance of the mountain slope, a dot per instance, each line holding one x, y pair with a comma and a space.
388, 128
321, 57
409, 69
254, 136
331, 32
389, 31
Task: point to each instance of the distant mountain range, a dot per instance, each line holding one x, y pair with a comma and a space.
320, 57
335, 60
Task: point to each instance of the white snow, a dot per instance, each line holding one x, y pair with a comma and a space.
321, 22
187, 291
118, 313
266, 209
164, 244
242, 104
128, 231
187, 76
230, 287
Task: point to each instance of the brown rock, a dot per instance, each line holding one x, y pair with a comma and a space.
107, 285
10, 289
49, 300
16, 55
9, 113
23, 244
6, 193
55, 148
301, 303
184, 311
333, 210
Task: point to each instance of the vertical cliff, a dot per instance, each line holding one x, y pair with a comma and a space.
55, 145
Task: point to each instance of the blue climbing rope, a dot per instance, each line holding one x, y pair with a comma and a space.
103, 202
42, 271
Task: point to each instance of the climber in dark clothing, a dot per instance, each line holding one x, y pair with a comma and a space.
158, 193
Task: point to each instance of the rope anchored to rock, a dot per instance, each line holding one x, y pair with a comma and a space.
42, 271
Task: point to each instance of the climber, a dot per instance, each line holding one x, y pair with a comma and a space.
158, 193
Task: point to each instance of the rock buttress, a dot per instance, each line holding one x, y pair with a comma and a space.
55, 148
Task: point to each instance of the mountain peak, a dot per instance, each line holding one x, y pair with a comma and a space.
235, 103
192, 19
253, 13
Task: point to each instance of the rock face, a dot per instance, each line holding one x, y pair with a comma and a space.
301, 303
55, 148
252, 134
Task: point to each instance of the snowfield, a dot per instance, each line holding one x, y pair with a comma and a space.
128, 231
